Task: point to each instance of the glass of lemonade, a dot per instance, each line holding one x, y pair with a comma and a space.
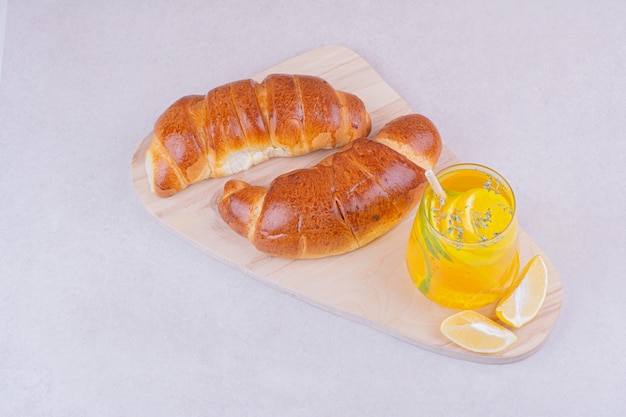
463, 249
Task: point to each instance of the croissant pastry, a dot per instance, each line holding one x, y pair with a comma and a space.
346, 201
243, 123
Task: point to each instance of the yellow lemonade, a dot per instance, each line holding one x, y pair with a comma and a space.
463, 250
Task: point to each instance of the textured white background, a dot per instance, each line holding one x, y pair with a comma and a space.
3, 14
105, 313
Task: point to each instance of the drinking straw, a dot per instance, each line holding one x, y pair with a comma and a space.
434, 182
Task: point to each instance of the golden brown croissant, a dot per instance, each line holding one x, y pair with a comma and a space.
243, 123
347, 200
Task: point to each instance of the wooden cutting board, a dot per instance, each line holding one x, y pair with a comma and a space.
370, 285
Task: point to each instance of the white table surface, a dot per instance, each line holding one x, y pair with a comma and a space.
103, 312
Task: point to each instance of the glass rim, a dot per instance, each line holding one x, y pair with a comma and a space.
457, 167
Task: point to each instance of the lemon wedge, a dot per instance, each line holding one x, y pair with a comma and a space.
477, 333
524, 302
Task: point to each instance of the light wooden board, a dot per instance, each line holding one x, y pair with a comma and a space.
369, 286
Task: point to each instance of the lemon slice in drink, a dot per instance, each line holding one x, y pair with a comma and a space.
477, 333
474, 216
524, 302
485, 215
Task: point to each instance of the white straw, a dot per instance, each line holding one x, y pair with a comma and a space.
434, 182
